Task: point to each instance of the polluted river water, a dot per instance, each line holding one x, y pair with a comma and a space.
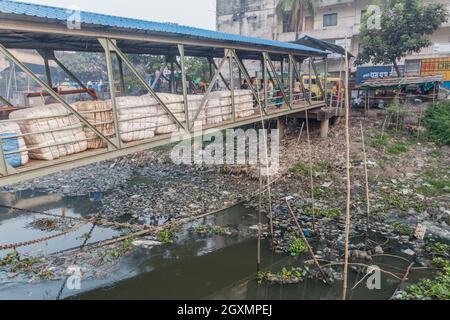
195, 266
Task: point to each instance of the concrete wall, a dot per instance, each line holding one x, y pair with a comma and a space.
248, 17
258, 18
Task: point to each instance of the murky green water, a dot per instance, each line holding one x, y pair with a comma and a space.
194, 267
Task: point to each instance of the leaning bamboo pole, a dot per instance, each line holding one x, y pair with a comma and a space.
366, 173
302, 234
347, 140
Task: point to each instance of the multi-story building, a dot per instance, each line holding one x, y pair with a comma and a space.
333, 21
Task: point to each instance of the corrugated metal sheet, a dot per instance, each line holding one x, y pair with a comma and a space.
323, 45
61, 14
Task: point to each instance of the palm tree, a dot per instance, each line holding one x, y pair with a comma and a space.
299, 9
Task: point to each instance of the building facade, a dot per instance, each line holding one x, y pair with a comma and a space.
333, 21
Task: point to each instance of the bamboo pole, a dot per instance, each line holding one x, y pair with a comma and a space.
361, 265
420, 122
405, 278
266, 153
347, 138
299, 138
258, 265
311, 177
366, 173
311, 252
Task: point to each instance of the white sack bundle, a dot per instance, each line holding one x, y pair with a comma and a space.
221, 102
194, 104
7, 130
99, 114
51, 125
137, 117
244, 103
175, 104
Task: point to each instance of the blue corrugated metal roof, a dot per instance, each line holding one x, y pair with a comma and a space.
61, 14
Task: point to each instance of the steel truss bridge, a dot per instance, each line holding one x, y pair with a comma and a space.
45, 29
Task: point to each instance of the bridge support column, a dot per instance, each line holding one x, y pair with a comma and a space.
281, 125
324, 127
324, 117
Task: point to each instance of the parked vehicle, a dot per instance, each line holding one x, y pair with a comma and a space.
333, 87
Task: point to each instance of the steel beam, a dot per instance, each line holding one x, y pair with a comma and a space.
48, 72
240, 77
276, 77
34, 27
213, 63
247, 77
309, 75
266, 84
325, 61
291, 83
142, 80
112, 89
121, 75
55, 95
184, 82
210, 69
188, 78
233, 105
299, 76
82, 159
319, 83
172, 75
69, 73
209, 90
6, 101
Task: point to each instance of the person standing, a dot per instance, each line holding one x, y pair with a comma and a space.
297, 89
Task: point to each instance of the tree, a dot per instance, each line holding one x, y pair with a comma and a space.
87, 66
299, 10
197, 68
405, 27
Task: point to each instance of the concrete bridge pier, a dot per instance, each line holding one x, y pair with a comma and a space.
281, 125
324, 127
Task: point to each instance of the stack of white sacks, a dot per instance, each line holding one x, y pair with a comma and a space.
53, 132
137, 117
99, 114
244, 103
175, 104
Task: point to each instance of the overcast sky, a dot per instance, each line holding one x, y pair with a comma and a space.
197, 13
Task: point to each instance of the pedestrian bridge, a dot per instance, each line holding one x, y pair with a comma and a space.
63, 134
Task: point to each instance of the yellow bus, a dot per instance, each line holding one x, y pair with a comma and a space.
332, 88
